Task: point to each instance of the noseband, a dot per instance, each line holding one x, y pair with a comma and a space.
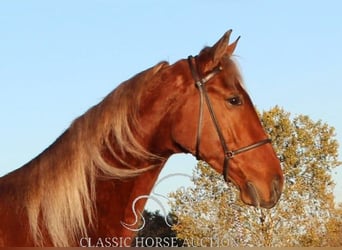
200, 84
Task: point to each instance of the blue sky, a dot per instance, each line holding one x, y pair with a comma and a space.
58, 58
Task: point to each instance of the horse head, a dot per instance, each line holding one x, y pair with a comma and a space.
216, 121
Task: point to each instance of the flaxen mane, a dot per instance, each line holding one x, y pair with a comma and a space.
58, 187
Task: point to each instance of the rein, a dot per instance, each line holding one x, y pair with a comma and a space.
200, 84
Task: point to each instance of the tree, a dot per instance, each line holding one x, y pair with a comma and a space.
306, 211
334, 228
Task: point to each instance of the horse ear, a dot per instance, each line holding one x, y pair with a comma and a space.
220, 47
231, 47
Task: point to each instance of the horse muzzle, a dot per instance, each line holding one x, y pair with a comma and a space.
253, 195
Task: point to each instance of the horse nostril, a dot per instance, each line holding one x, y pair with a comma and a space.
253, 194
276, 186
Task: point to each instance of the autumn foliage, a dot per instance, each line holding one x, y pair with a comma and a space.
306, 215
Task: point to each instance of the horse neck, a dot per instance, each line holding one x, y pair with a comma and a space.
114, 198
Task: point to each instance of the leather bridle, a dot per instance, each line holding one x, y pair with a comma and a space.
200, 84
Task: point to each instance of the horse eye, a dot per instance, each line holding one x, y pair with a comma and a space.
235, 100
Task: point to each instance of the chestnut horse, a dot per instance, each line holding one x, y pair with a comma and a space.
81, 188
